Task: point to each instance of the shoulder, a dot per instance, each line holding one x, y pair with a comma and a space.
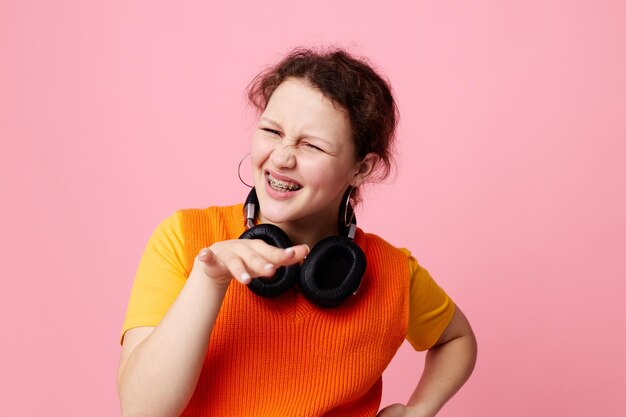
377, 244
212, 217
201, 227
374, 243
218, 212
385, 258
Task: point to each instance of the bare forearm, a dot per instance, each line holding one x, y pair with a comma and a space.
447, 368
161, 373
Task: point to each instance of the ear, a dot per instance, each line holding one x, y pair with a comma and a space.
365, 168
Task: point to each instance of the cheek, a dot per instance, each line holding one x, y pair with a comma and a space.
320, 172
259, 152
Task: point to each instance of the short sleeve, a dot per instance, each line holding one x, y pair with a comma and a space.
160, 276
430, 308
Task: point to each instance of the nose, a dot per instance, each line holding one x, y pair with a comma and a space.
284, 155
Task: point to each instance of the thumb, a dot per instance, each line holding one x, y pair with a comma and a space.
207, 257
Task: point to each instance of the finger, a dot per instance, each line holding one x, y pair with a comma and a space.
207, 256
302, 251
211, 264
242, 262
258, 265
255, 259
238, 269
294, 254
280, 257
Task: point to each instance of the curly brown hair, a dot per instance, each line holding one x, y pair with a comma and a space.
350, 83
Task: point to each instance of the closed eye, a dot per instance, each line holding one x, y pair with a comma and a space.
311, 146
272, 131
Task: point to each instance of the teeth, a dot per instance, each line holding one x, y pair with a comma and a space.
281, 185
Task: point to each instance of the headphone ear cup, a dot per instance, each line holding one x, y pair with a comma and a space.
333, 271
285, 276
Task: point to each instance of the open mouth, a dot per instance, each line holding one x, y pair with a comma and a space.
280, 185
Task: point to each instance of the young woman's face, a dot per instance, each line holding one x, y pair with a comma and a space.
303, 156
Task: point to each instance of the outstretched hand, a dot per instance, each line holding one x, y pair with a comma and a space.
245, 259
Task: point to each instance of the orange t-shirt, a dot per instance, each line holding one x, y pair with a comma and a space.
162, 274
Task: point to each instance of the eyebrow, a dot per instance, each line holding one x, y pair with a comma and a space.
276, 124
270, 121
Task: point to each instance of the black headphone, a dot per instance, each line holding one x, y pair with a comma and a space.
331, 272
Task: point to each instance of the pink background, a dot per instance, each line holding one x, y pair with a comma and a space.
510, 188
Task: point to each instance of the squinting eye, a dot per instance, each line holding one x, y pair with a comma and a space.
308, 145
272, 131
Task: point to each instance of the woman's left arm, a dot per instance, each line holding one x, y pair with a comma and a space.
449, 363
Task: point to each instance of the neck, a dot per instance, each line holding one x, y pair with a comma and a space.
307, 231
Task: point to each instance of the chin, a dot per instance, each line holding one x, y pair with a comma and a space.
275, 213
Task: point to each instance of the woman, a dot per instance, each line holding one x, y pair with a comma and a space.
196, 343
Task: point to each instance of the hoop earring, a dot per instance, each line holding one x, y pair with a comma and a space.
239, 171
347, 222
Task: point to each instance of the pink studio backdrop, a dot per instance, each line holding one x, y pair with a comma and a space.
510, 185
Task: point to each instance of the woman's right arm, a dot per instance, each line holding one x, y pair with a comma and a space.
159, 366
